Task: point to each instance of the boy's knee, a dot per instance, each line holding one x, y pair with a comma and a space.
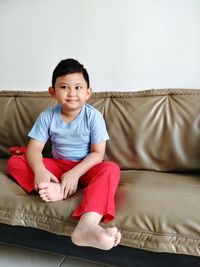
112, 171
11, 161
14, 162
111, 166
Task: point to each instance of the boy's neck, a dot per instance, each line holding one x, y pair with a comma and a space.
69, 115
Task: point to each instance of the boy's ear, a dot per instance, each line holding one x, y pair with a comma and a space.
89, 92
52, 91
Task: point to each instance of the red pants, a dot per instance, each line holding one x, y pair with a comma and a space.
100, 183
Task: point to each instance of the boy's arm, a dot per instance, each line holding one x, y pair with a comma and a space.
70, 178
95, 156
35, 161
34, 154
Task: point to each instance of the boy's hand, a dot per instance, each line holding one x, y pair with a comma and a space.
69, 184
44, 175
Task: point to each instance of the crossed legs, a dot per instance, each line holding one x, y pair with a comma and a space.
100, 185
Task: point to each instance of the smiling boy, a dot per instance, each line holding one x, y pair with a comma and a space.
78, 135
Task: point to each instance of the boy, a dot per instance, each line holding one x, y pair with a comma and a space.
78, 135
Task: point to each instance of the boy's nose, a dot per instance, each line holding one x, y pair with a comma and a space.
71, 91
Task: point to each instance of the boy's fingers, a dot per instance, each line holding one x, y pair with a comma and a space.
62, 190
73, 191
66, 192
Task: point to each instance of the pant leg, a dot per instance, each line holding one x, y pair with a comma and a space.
19, 169
100, 184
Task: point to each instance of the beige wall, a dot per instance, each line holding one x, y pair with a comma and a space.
125, 44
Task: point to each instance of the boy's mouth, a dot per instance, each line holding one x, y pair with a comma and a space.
71, 100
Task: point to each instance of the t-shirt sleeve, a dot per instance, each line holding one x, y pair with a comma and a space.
40, 130
98, 129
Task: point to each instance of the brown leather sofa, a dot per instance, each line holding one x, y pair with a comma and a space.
155, 138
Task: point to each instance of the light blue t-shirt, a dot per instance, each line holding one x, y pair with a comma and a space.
70, 140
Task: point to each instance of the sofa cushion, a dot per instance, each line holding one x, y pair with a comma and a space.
18, 113
153, 213
153, 130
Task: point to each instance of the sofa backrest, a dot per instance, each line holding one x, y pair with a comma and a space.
154, 129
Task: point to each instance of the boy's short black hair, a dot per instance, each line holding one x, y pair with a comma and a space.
69, 66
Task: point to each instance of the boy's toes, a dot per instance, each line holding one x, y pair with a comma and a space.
44, 198
42, 192
117, 239
43, 185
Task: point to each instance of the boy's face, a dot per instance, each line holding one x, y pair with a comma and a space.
71, 91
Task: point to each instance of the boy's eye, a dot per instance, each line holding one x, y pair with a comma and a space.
78, 87
63, 87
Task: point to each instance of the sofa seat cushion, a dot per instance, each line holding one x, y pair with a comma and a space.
19, 208
155, 210
159, 211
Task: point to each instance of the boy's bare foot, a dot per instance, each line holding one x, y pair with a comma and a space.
50, 192
93, 235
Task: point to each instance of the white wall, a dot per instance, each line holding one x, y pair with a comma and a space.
125, 44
